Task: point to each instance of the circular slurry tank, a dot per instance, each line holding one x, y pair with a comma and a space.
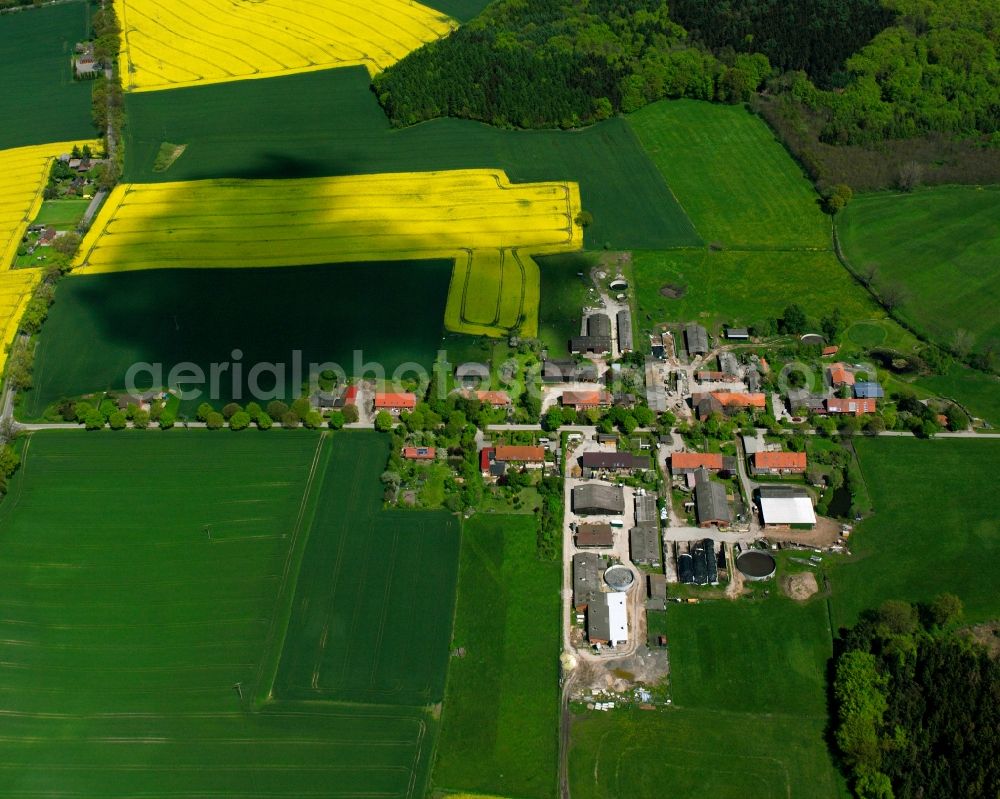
619, 284
756, 565
813, 338
619, 578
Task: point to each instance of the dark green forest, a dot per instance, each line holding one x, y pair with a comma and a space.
864, 71
917, 705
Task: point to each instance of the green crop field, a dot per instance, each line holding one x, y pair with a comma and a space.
174, 316
942, 245
499, 732
748, 713
932, 531
275, 128
732, 176
41, 102
744, 287
371, 619
145, 583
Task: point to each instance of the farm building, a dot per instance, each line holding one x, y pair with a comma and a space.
785, 506
607, 619
645, 509
614, 461
854, 407
349, 397
804, 400
729, 364
698, 566
419, 453
141, 401
735, 401
779, 462
598, 338
839, 375
489, 465
690, 462
711, 504
472, 372
656, 591
696, 338
656, 394
705, 405
587, 571
710, 376
528, 455
583, 400
624, 319
831, 349
644, 544
598, 498
395, 402
323, 400
597, 536
868, 389
568, 372
495, 399
737, 334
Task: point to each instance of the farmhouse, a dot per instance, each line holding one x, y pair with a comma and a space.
804, 400
690, 462
532, 457
595, 536
785, 506
614, 461
868, 389
696, 338
598, 338
495, 399
395, 402
624, 318
141, 401
854, 407
644, 544
607, 620
419, 453
583, 400
598, 499
568, 372
779, 462
705, 405
734, 401
711, 504
839, 375
489, 465
587, 570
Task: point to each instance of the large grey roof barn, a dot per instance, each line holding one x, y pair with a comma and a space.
595, 498
697, 339
710, 500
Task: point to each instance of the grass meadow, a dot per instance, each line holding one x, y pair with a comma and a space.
172, 316
978, 391
564, 294
932, 531
743, 287
142, 585
242, 130
499, 731
942, 245
41, 102
748, 713
731, 175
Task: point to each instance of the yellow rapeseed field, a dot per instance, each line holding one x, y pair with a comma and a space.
490, 226
172, 44
24, 172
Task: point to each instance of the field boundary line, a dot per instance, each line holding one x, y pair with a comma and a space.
274, 643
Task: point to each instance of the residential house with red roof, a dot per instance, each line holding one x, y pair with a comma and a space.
395, 403
779, 462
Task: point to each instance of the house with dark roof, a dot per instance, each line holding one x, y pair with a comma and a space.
644, 545
624, 319
598, 338
323, 400
595, 536
710, 500
614, 461
598, 499
568, 372
696, 339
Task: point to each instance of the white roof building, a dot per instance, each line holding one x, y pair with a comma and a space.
607, 619
785, 505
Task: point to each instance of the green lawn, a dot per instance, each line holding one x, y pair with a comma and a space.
143, 583
41, 102
62, 214
748, 717
499, 732
933, 528
170, 317
744, 287
564, 295
943, 245
977, 391
275, 128
731, 175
